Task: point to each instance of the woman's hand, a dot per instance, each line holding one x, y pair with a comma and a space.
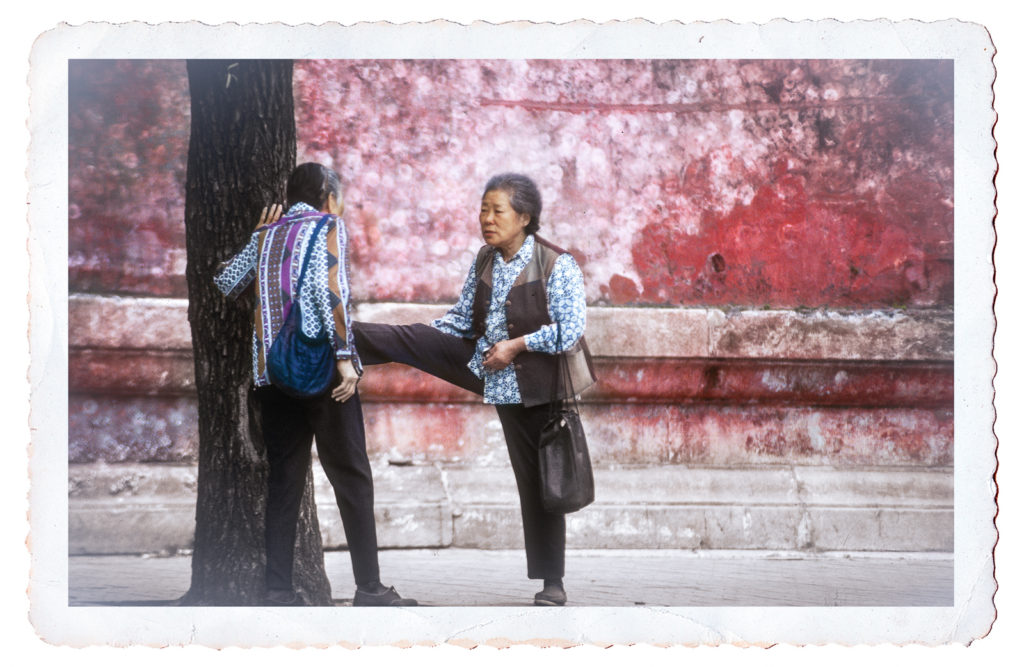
349, 380
503, 352
269, 215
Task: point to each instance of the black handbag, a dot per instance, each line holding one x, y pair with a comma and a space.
298, 365
567, 480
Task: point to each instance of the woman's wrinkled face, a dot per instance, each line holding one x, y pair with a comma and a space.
500, 225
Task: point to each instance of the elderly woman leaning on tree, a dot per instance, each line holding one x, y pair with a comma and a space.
312, 236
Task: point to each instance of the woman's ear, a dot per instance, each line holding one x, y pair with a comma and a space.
335, 204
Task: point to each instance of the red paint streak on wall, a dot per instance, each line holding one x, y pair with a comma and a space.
131, 372
687, 434
770, 382
678, 381
785, 249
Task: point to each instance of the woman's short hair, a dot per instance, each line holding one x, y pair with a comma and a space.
312, 183
522, 194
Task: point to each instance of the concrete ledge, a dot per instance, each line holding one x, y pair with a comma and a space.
146, 525
801, 508
912, 335
898, 335
149, 508
721, 527
411, 506
128, 322
786, 334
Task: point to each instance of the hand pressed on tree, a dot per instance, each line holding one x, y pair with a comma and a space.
269, 215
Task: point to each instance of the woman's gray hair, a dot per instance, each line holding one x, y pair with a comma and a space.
522, 194
312, 183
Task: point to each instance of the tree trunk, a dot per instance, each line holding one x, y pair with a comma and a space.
241, 151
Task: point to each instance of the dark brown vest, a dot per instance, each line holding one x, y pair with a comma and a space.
526, 310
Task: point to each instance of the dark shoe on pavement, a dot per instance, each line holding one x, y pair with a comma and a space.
281, 598
388, 597
551, 596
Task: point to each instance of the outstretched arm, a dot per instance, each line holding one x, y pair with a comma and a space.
567, 307
459, 320
235, 275
332, 274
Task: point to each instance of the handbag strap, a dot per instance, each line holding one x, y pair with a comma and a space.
562, 367
309, 251
563, 362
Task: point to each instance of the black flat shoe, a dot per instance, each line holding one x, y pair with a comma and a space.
389, 597
279, 598
551, 596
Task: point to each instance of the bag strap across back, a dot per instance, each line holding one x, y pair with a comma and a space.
309, 252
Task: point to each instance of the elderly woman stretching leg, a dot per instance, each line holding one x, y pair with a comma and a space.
522, 296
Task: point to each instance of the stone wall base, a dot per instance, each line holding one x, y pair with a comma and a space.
140, 508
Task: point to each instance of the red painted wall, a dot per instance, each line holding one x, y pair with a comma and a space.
779, 183
128, 126
687, 182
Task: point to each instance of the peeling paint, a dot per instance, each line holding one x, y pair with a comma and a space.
829, 187
798, 185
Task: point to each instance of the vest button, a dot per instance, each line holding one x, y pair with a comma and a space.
511, 326
508, 303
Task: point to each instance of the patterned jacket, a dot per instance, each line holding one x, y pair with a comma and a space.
270, 262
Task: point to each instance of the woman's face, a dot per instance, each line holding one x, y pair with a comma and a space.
500, 225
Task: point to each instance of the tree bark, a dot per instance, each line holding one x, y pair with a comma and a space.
241, 151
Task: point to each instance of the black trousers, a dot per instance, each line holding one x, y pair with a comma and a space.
289, 425
543, 532
446, 356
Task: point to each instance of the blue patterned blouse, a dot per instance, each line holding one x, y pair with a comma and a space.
271, 261
567, 305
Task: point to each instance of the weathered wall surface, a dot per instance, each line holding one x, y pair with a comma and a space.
703, 389
779, 183
824, 183
128, 126
766, 245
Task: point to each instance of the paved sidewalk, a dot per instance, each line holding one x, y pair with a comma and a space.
610, 577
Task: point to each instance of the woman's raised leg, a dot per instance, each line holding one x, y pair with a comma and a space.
420, 346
